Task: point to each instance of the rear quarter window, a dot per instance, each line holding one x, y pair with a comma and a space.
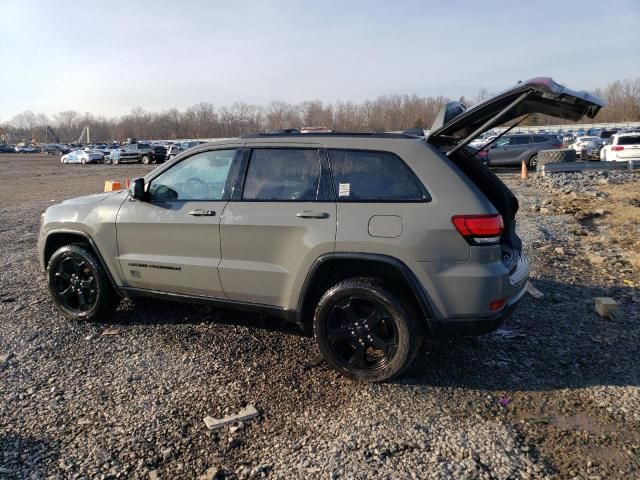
373, 176
519, 140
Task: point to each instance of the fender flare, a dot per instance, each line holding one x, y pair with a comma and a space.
93, 246
418, 291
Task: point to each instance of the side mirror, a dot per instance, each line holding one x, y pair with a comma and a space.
136, 189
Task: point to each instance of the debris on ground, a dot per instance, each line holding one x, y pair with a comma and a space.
533, 291
235, 426
314, 362
606, 307
210, 474
112, 331
4, 357
246, 413
540, 420
504, 401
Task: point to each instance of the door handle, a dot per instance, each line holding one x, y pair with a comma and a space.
202, 213
308, 214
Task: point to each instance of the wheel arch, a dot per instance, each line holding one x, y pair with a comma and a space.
334, 267
59, 238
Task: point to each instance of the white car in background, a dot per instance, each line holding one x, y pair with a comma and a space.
582, 143
82, 156
621, 147
481, 142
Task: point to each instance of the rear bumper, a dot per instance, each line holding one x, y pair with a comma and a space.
461, 327
465, 292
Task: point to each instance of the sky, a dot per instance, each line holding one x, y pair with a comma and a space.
107, 57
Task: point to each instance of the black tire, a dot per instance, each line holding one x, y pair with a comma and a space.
145, 159
79, 285
115, 161
83, 161
533, 161
366, 332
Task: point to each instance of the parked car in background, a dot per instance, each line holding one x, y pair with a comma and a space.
82, 156
55, 149
159, 153
591, 150
7, 149
513, 149
621, 147
133, 152
580, 143
606, 133
172, 151
481, 142
101, 147
176, 149
25, 149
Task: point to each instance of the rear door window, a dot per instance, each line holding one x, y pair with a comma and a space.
372, 176
283, 174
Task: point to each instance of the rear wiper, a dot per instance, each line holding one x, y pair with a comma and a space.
484, 147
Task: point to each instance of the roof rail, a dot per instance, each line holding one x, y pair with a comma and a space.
297, 134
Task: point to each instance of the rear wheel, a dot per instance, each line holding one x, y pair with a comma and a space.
366, 332
79, 284
83, 161
533, 161
146, 160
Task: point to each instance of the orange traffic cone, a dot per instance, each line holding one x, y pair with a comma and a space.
524, 173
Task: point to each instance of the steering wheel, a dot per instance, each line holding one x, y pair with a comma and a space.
195, 187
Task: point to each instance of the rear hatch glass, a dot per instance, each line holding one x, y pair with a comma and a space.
629, 140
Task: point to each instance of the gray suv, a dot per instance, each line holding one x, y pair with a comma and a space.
514, 149
373, 242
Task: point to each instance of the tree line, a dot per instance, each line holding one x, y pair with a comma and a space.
204, 120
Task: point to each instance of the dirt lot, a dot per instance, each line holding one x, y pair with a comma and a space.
552, 394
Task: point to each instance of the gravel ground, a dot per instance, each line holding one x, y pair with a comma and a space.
552, 394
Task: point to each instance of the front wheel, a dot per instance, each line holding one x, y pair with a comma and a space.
366, 332
79, 285
146, 160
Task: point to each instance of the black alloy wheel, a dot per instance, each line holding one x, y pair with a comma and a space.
366, 332
78, 283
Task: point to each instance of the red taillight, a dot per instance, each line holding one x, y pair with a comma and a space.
496, 305
556, 145
482, 154
479, 228
617, 148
